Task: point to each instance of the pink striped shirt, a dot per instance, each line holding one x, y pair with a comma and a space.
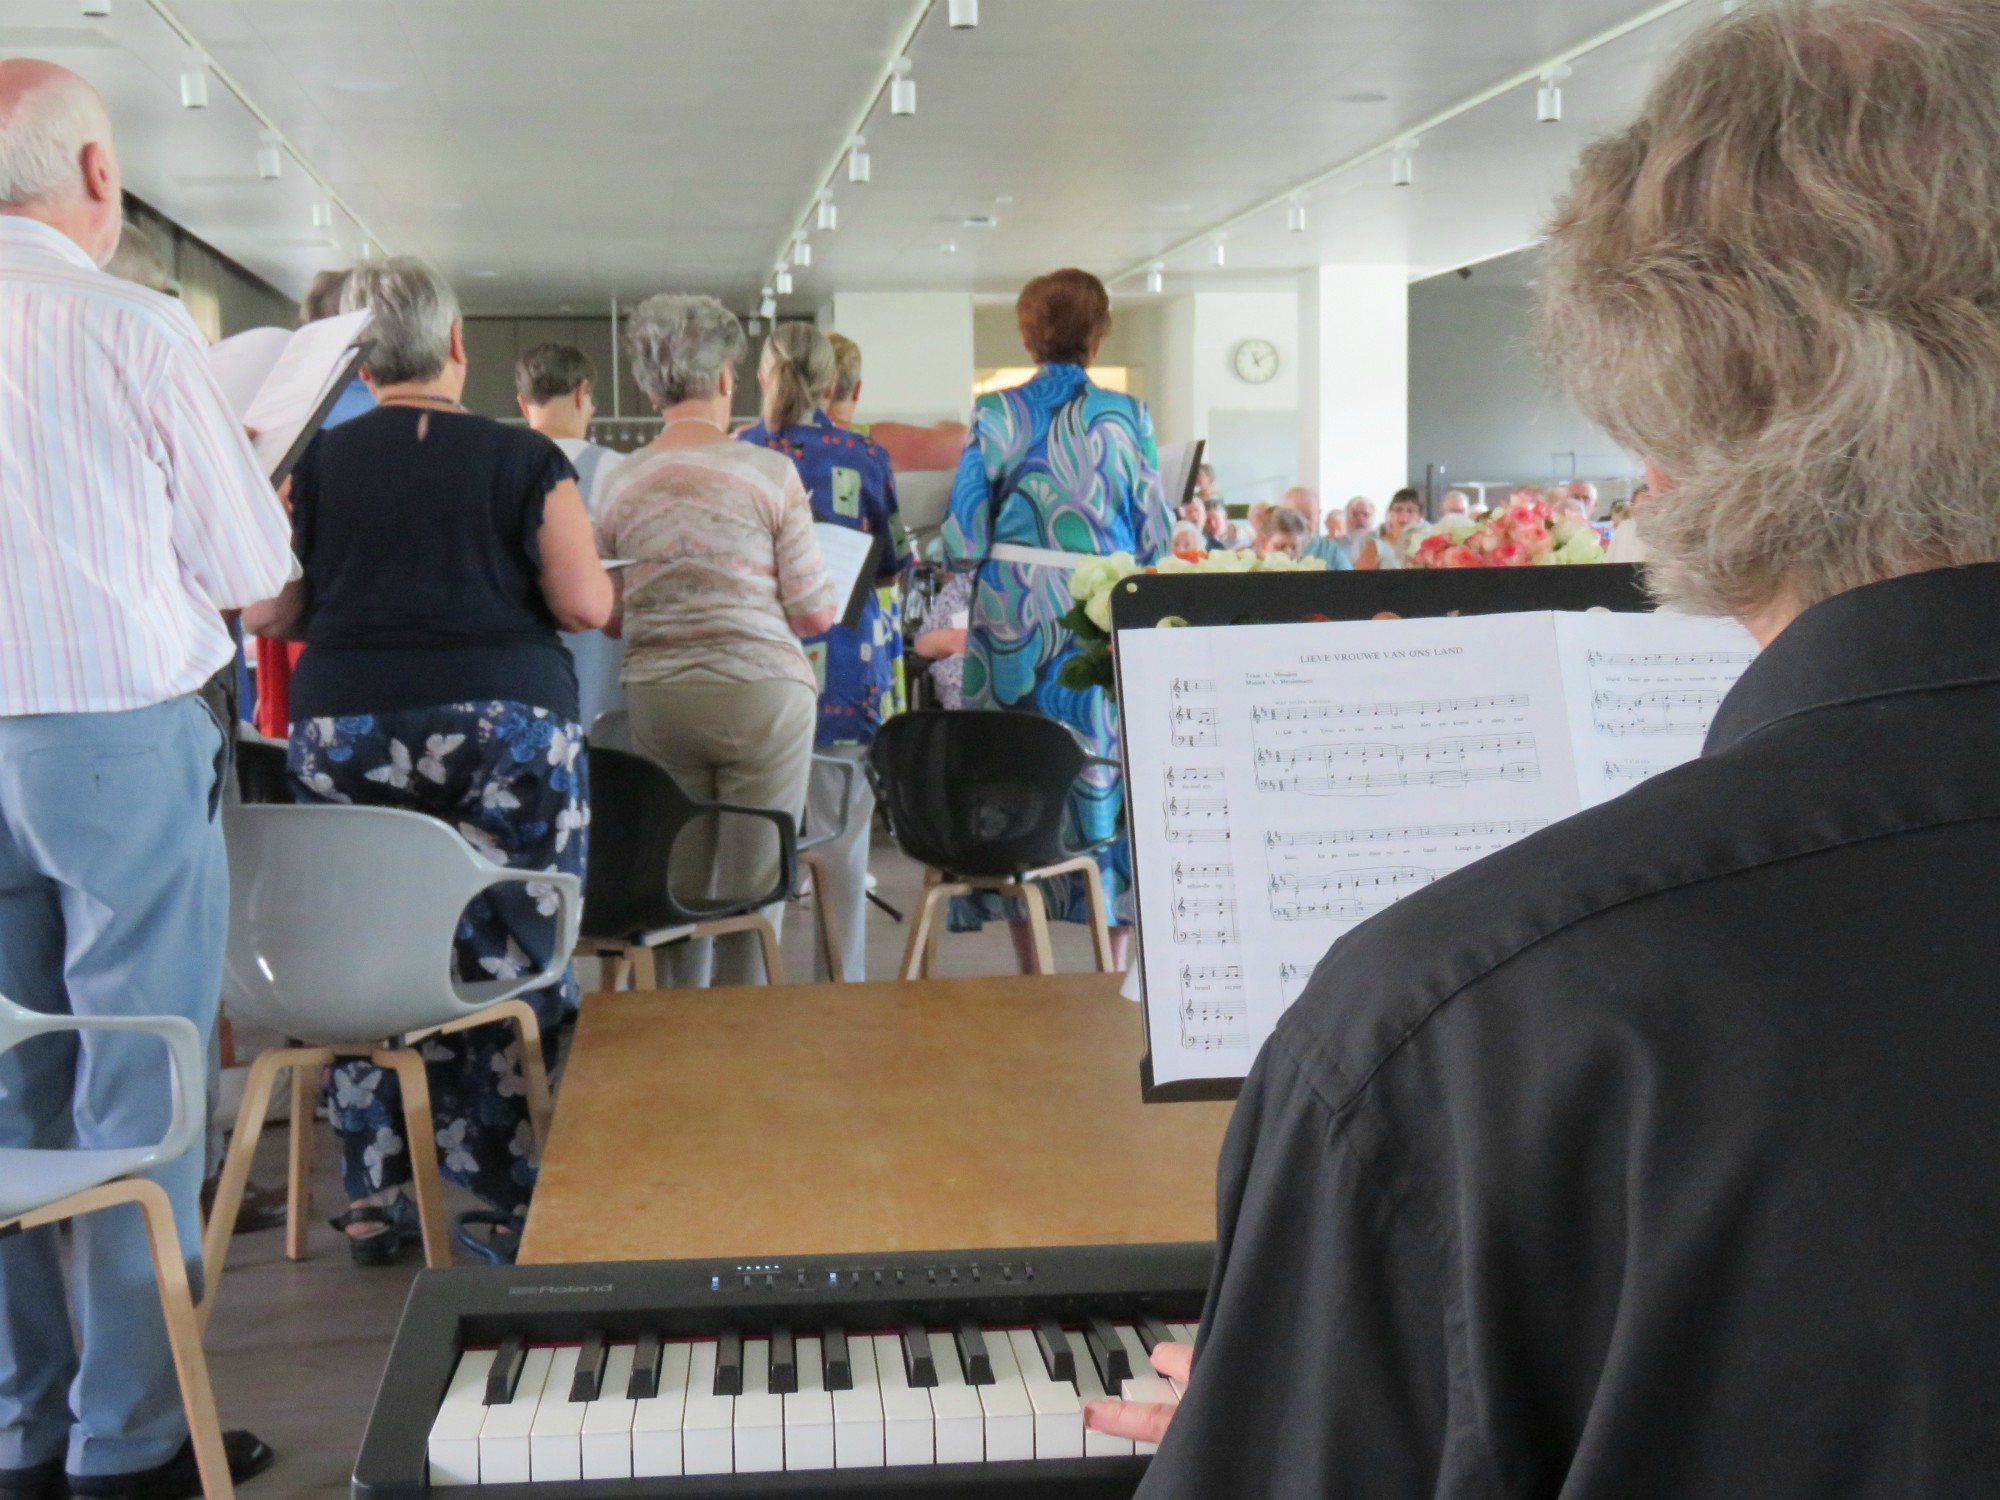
132, 510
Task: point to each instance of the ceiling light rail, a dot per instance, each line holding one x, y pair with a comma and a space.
274, 144
1398, 146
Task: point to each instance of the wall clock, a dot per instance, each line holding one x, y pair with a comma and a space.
1256, 361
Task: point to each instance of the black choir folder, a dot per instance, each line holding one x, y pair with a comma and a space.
1295, 762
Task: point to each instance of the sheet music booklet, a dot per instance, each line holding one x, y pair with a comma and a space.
282, 383
1286, 782
853, 563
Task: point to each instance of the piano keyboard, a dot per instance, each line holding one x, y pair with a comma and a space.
962, 1374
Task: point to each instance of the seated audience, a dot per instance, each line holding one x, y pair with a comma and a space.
728, 581
850, 483
1456, 505
1259, 518
1631, 1162
1360, 527
910, 448
1285, 531
442, 553
1627, 545
1584, 493
941, 639
554, 385
1187, 541
1204, 488
1402, 529
1216, 531
1305, 504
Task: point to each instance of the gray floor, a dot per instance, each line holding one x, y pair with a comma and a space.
296, 1350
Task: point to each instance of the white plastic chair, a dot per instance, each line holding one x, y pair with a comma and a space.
40, 1187
341, 923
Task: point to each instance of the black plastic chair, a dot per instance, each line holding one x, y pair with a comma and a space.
630, 908
261, 774
979, 798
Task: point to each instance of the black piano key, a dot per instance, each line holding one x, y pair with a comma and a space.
589, 1382
1114, 1348
1152, 1331
837, 1368
506, 1371
728, 1363
645, 1382
1113, 1372
1058, 1358
973, 1356
918, 1367
784, 1363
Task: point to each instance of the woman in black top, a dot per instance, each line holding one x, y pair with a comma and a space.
442, 553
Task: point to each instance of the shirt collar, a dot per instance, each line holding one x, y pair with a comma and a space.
1935, 629
20, 234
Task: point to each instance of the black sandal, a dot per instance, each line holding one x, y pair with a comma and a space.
385, 1246
501, 1244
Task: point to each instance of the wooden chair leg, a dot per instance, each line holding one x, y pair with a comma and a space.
534, 1069
917, 948
774, 960
1100, 915
236, 1170
183, 1335
299, 1184
826, 940
643, 967
1038, 926
420, 1140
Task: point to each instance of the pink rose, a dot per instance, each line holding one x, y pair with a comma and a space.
1511, 555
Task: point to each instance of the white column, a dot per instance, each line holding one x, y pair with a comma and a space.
1354, 382
916, 353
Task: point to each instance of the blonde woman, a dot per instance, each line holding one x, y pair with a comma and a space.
850, 481
728, 581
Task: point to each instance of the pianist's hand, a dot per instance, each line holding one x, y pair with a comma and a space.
1144, 1421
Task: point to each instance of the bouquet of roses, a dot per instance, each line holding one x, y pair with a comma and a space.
1090, 586
1526, 533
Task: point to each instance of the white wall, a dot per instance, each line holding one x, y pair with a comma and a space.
1479, 401
1200, 395
1354, 387
916, 353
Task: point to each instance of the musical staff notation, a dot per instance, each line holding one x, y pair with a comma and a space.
1212, 1012
1346, 770
1348, 895
1422, 833
1629, 772
1656, 659
1292, 981
1197, 812
1307, 712
1203, 920
1201, 874
1680, 711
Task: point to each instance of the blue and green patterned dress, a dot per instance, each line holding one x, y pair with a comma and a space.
1057, 463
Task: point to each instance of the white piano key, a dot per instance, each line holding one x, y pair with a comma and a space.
555, 1442
1145, 1384
656, 1421
760, 1416
1058, 1408
708, 1425
1010, 1413
1184, 1333
956, 1412
453, 1448
857, 1413
809, 1413
606, 1439
1089, 1388
909, 1429
503, 1436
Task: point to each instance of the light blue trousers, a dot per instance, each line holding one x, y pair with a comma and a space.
114, 900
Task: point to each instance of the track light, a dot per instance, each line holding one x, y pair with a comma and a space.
1549, 97
194, 88
96, 10
802, 250
322, 214
1156, 278
783, 282
1218, 253
1295, 217
902, 90
754, 327
367, 250
964, 14
768, 308
270, 158
857, 160
829, 213
1403, 165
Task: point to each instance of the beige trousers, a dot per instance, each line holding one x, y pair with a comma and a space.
749, 744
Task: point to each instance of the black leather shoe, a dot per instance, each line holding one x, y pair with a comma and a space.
41, 1482
177, 1478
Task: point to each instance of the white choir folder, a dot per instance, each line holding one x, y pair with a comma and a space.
1298, 765
282, 383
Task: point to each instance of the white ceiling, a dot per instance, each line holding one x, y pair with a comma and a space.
554, 153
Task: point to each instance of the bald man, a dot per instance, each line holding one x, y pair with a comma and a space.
132, 514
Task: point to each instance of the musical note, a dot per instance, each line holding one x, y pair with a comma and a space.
1212, 1012
1363, 768
1194, 728
1293, 712
1425, 833
1351, 895
1669, 658
1629, 772
1206, 921
1682, 711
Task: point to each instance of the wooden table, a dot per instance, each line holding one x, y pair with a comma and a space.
836, 1119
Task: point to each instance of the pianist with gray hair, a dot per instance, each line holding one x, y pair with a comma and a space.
1630, 1162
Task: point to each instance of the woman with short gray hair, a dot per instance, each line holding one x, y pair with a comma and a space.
442, 552
727, 579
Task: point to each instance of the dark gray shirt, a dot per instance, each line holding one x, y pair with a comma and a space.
1657, 1155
